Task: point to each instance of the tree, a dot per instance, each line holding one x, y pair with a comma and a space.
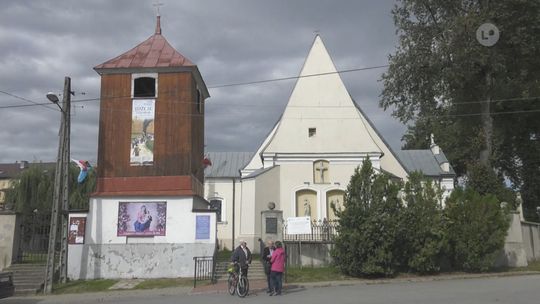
368, 225
442, 81
476, 228
422, 226
33, 189
484, 181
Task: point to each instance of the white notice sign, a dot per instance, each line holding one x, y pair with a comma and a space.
299, 225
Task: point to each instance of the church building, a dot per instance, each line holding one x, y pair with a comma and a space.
305, 163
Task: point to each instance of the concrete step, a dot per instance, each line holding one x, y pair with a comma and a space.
28, 281
27, 278
25, 292
27, 285
17, 275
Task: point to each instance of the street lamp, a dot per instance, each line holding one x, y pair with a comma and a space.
54, 99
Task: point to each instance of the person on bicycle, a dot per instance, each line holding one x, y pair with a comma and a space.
242, 257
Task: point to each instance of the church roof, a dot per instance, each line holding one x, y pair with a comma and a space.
227, 164
151, 53
424, 161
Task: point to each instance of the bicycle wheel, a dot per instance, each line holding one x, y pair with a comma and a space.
231, 284
242, 288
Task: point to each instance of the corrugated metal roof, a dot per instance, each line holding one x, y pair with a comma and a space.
227, 164
423, 161
153, 52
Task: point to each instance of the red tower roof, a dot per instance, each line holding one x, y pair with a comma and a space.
153, 52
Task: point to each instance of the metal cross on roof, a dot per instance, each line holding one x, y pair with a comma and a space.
157, 5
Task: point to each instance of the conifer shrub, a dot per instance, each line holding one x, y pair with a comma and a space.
476, 227
368, 225
422, 226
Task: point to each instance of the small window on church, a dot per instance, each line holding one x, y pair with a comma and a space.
144, 87
215, 204
312, 132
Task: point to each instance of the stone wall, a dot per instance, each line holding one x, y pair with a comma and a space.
8, 240
531, 240
513, 254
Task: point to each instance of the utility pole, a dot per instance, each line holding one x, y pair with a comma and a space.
61, 191
66, 105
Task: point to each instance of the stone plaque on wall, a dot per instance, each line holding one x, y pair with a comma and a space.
271, 225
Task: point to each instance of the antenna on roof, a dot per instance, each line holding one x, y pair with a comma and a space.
158, 23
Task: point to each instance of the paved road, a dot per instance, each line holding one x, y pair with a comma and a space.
514, 290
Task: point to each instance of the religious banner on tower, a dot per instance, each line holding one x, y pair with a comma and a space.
142, 132
142, 218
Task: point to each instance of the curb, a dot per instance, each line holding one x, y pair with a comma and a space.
354, 282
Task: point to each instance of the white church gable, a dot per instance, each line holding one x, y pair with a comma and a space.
320, 116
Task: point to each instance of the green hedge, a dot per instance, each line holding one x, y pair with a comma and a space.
387, 227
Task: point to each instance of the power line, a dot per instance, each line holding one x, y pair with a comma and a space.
262, 105
33, 103
337, 117
295, 77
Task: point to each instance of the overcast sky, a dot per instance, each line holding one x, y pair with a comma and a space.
230, 41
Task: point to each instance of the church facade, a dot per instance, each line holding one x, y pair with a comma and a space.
305, 163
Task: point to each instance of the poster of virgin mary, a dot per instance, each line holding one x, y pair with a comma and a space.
142, 218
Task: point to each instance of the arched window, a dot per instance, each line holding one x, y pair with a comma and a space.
306, 203
336, 198
321, 174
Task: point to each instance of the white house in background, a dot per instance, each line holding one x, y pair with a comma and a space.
307, 159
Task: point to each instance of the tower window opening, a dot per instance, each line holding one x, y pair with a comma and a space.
144, 87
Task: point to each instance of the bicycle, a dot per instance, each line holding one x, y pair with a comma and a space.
237, 282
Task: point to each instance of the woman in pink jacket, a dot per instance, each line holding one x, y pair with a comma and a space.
277, 269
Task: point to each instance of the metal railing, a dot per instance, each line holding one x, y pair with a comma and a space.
205, 269
321, 231
33, 238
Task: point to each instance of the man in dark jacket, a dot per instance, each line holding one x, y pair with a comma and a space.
265, 257
242, 256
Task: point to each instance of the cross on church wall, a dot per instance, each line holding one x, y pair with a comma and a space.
321, 168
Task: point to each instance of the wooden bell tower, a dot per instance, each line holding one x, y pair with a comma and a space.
151, 125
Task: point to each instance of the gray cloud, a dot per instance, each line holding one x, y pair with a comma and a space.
231, 41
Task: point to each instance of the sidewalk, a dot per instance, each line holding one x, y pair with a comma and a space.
256, 286
221, 287
260, 285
